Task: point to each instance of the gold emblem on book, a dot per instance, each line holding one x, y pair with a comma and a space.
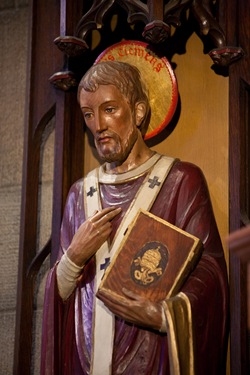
148, 263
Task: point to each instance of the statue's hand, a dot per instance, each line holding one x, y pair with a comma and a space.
91, 235
134, 309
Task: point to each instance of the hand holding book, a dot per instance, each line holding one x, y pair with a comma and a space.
134, 308
153, 261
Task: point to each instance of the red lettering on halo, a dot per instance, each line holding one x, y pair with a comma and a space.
153, 61
143, 53
139, 52
131, 51
121, 51
158, 67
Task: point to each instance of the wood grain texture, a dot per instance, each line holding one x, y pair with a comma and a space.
153, 260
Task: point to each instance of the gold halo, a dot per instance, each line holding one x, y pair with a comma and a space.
158, 75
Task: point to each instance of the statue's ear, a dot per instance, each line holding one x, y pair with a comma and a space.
140, 112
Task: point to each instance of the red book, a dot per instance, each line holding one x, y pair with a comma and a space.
153, 260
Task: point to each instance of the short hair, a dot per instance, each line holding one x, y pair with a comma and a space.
126, 77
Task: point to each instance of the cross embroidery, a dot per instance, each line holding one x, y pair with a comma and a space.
104, 265
153, 182
91, 191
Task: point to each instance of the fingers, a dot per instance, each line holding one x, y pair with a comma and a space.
133, 296
136, 310
107, 214
121, 307
101, 220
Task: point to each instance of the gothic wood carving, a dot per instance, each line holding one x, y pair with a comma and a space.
43, 103
238, 33
158, 17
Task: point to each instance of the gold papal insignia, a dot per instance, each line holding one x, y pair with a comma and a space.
149, 263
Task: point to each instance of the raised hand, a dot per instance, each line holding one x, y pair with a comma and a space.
91, 235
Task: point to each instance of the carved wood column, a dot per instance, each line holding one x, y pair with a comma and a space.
238, 33
69, 133
47, 19
44, 22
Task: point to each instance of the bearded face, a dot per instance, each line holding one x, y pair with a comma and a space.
109, 117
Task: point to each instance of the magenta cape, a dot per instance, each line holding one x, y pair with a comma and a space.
67, 327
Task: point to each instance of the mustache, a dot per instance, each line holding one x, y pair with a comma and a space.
105, 135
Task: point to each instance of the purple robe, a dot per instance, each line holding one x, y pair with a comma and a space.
67, 326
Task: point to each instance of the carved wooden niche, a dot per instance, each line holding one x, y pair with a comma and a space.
155, 19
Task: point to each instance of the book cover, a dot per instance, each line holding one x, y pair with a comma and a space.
153, 260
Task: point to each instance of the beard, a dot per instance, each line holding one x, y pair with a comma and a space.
117, 149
